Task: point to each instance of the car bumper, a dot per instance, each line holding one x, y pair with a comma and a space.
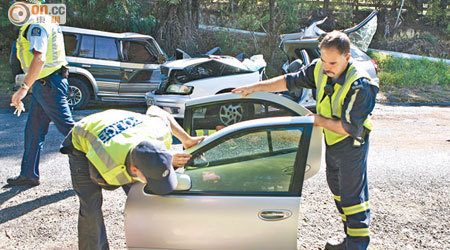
174, 104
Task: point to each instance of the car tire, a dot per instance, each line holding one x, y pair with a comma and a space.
79, 94
234, 112
230, 113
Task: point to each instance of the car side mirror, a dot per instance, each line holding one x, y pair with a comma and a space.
161, 58
184, 182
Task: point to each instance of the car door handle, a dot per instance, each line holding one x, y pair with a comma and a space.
85, 65
274, 214
128, 70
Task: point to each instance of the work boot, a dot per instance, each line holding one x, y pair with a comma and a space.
23, 181
335, 246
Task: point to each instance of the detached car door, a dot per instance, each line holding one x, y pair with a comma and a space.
140, 68
246, 182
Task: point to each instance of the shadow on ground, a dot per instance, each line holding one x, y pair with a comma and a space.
11, 213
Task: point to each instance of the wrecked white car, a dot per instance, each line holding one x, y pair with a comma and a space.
189, 78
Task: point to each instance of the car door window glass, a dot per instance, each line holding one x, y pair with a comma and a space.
242, 146
257, 161
106, 48
70, 44
87, 46
211, 118
137, 52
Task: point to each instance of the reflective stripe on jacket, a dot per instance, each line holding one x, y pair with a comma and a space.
332, 108
107, 137
201, 132
55, 56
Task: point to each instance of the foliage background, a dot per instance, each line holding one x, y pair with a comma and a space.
423, 27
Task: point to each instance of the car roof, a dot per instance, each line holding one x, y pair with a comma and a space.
261, 96
128, 35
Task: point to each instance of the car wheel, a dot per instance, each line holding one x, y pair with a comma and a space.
79, 95
233, 112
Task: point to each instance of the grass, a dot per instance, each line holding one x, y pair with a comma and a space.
400, 72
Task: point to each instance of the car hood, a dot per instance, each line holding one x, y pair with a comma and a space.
253, 64
186, 70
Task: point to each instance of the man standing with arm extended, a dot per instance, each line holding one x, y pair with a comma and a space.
40, 50
115, 148
345, 99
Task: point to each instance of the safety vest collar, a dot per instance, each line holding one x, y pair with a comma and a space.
350, 76
340, 80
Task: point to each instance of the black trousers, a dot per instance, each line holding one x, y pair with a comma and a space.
347, 178
91, 226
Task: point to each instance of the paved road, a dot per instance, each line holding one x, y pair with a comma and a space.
408, 173
44, 217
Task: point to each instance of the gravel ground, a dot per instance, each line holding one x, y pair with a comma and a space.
408, 182
408, 172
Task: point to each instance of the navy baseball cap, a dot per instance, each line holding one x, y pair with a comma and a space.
154, 160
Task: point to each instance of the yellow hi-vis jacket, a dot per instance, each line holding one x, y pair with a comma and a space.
107, 137
55, 56
333, 108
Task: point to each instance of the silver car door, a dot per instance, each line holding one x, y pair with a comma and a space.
245, 194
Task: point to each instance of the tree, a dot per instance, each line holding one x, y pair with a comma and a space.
177, 25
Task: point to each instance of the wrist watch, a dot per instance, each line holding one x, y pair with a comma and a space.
24, 86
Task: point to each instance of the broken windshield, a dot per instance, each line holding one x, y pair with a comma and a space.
362, 37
